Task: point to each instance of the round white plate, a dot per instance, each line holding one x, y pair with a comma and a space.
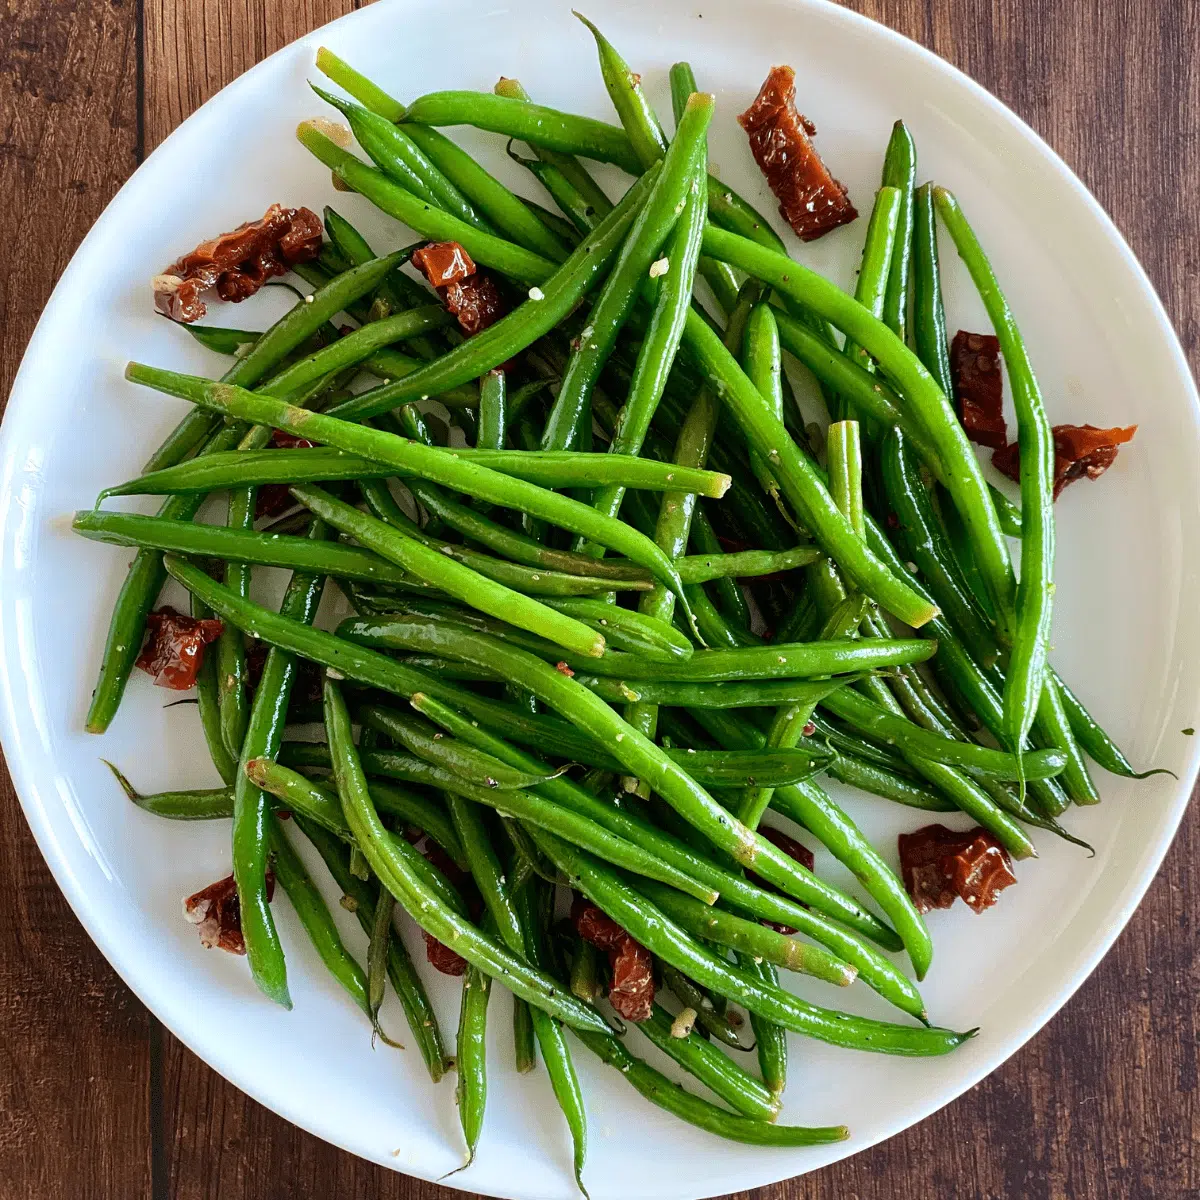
1127, 572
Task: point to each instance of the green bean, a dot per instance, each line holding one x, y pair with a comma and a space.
359, 86
521, 328
712, 695
808, 805
797, 477
524, 1043
442, 572
252, 817
749, 937
221, 339
362, 897
208, 704
658, 1089
314, 915
528, 122
234, 468
509, 543
297, 793
711, 1011
656, 355
871, 396
233, 706
668, 941
321, 805
493, 398
869, 718
799, 660
531, 581
770, 1039
929, 316
563, 469
632, 632
912, 379
880, 781
382, 933
735, 890
644, 759
1026, 674
431, 223
356, 347
471, 1058
531, 900
485, 868
763, 365
717, 1071
651, 227
280, 550
845, 473
878, 250
195, 805
528, 807
596, 204
1052, 727
923, 539
422, 739
779, 662
442, 466
396, 155
900, 172
427, 909
1095, 741
728, 568
506, 211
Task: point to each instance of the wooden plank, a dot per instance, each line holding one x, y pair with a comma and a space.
74, 1056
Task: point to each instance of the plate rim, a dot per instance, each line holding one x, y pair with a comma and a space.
109, 942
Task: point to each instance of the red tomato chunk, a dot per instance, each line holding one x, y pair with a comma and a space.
174, 649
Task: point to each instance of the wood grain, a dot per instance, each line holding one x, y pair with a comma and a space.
1102, 1103
74, 1043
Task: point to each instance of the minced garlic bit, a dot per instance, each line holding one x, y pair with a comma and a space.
331, 673
536, 293
660, 267
682, 1025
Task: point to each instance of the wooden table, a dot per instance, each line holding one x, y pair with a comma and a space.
98, 1101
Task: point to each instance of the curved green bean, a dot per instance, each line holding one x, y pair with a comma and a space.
651, 228
668, 941
431, 913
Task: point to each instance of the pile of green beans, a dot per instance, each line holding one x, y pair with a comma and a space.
540, 680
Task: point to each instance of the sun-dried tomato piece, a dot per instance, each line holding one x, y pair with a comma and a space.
1079, 450
443, 262
476, 302
174, 648
256, 660
442, 958
979, 387
631, 992
238, 263
811, 201
469, 293
980, 872
217, 914
793, 849
940, 865
448, 961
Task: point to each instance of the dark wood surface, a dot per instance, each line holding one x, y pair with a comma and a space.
97, 1101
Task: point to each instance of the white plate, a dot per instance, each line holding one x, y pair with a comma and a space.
1104, 351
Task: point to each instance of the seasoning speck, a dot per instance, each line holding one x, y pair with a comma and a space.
536, 293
